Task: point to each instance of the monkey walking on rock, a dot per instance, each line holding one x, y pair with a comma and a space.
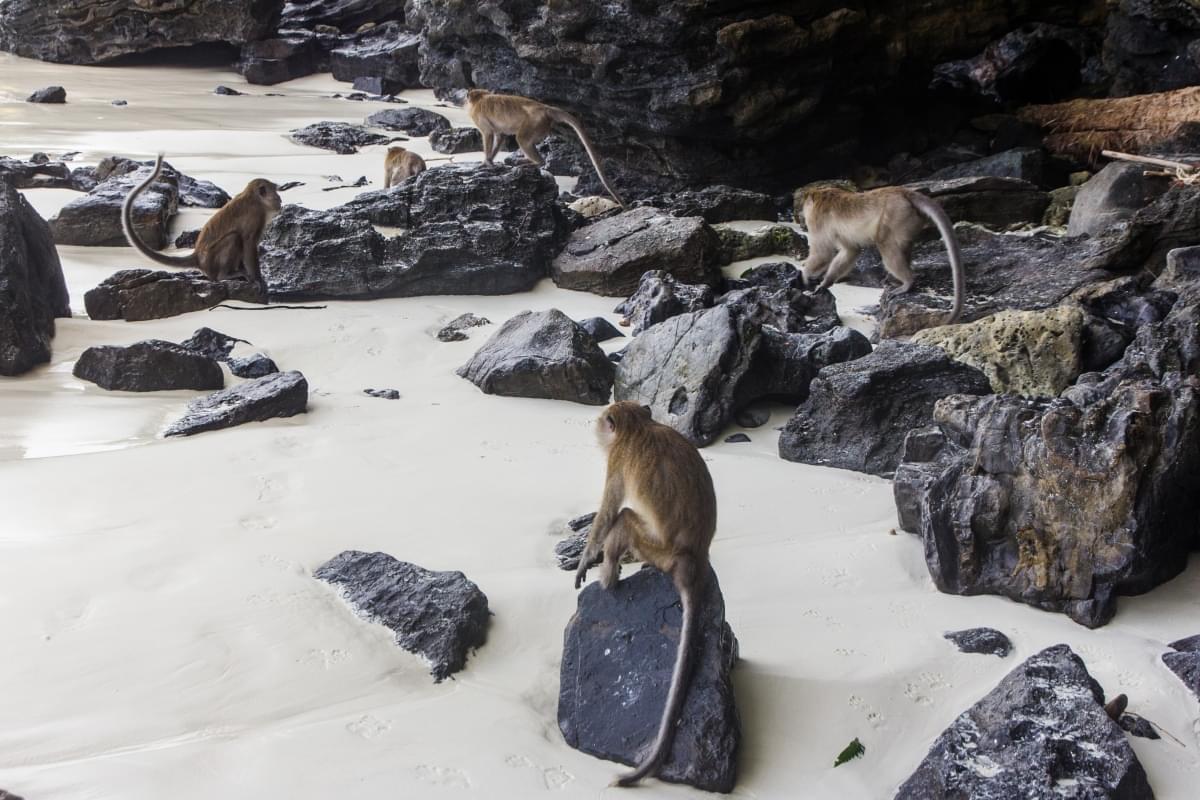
658, 501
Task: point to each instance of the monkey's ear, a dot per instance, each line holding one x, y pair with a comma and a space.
264, 190
646, 411
610, 423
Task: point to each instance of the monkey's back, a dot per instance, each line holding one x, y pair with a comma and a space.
859, 218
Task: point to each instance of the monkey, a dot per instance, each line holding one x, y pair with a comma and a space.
528, 120
840, 223
227, 242
399, 164
658, 501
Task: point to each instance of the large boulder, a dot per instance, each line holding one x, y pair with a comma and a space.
141, 294
281, 394
340, 137
440, 616
609, 257
449, 230
1023, 163
542, 354
618, 653
1184, 661
1119, 452
91, 31
658, 297
412, 120
385, 53
1150, 46
857, 413
292, 54
33, 291
148, 366
1041, 734
1113, 195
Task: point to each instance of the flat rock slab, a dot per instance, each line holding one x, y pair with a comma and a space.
413, 121
148, 366
988, 641
542, 354
282, 394
995, 202
1041, 734
440, 616
608, 257
141, 294
95, 218
340, 137
1185, 662
717, 204
618, 653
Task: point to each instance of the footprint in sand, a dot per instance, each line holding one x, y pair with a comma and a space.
443, 776
272, 561
272, 488
369, 726
873, 717
258, 522
553, 777
327, 659
926, 684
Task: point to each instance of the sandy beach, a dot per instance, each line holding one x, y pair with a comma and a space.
163, 636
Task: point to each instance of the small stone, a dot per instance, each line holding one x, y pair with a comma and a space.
453, 331
50, 94
384, 394
282, 394
737, 438
120, 102
988, 641
225, 90
214, 344
1138, 726
253, 366
187, 239
601, 329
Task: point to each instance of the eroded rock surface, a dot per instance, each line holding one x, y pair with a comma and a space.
988, 641
281, 394
340, 137
1185, 662
140, 294
148, 366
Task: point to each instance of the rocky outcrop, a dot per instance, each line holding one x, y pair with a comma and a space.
1041, 734
347, 15
994, 202
413, 121
440, 616
1030, 353
282, 394
35, 174
1126, 441
857, 414
385, 55
609, 257
1113, 195
1185, 662
988, 641
542, 354
1026, 164
33, 291
340, 137
90, 31
148, 366
658, 297
1145, 44
141, 294
627, 637
450, 230
289, 55
717, 204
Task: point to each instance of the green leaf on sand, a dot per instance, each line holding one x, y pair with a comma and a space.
853, 750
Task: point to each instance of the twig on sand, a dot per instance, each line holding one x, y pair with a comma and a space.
271, 307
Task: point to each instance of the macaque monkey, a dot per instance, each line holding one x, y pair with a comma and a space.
840, 223
228, 242
528, 120
400, 164
659, 501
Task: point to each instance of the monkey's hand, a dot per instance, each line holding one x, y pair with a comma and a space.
581, 573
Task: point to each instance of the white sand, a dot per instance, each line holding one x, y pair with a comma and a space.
162, 637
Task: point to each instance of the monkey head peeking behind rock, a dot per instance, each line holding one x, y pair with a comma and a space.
528, 120
841, 222
228, 242
659, 502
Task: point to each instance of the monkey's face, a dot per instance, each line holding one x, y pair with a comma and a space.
624, 415
268, 194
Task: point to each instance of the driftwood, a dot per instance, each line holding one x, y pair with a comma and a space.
1179, 170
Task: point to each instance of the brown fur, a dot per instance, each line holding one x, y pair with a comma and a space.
228, 242
840, 223
658, 501
528, 120
400, 164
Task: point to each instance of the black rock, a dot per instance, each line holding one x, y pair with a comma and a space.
187, 239
601, 329
1041, 731
737, 438
283, 187
609, 257
465, 230
281, 394
214, 344
192, 192
1150, 46
383, 394
50, 94
9, 796
659, 297
140, 294
39, 158
455, 329
1138, 726
1025, 164
991, 201
857, 413
987, 641
385, 55
754, 415
340, 137
292, 54
618, 653
543, 354
378, 86
225, 90
35, 174
456, 140
148, 366
1185, 662
570, 548
347, 15
33, 290
716, 204
789, 309
440, 616
252, 366
413, 121
1113, 195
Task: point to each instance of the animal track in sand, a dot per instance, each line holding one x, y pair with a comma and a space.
874, 718
258, 522
443, 776
328, 659
272, 488
837, 578
272, 561
369, 726
1129, 679
289, 444
553, 777
927, 682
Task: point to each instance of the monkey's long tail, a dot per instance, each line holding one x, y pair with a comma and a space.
937, 215
135, 241
675, 696
562, 116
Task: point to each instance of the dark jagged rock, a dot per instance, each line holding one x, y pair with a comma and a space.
346, 15
413, 121
857, 413
383, 394
140, 294
1137, 726
1112, 195
570, 548
120, 103
987, 641
88, 31
386, 53
455, 330
1040, 734
1126, 441
50, 94
618, 653
1185, 662
440, 616
659, 297
456, 140
787, 362
340, 137
737, 438
543, 354
214, 344
1024, 164
35, 174
990, 201
192, 192
772, 275
601, 329
292, 54
463, 230
83, 179
252, 366
227, 91
609, 257
754, 415
33, 290
281, 394
148, 366
187, 239
790, 308
716, 204
1145, 45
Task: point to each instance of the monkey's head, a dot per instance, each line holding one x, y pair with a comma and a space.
396, 152
475, 95
621, 418
266, 193
815, 193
